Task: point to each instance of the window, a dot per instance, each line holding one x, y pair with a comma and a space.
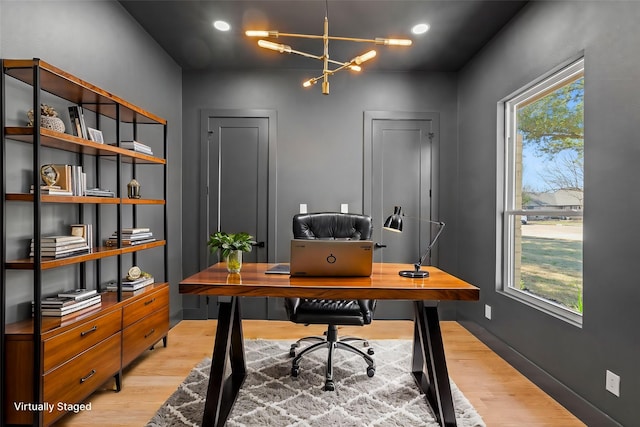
543, 187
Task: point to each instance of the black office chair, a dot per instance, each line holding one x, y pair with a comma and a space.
331, 225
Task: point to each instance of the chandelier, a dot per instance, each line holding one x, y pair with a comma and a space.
353, 64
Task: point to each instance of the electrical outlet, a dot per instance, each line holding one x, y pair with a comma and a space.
613, 383
344, 208
487, 311
303, 208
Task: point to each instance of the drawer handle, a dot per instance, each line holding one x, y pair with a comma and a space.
152, 300
150, 333
83, 333
92, 373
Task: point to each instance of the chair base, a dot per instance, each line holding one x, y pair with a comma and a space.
331, 342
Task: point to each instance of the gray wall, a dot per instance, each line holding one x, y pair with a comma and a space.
543, 36
319, 141
99, 42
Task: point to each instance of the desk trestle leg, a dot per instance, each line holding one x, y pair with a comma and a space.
228, 346
428, 351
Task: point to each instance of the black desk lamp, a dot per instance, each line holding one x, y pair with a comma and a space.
394, 223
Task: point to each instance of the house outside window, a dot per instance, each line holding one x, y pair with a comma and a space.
540, 242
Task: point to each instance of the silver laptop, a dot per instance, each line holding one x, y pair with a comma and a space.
331, 258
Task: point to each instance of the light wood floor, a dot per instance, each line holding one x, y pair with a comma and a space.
499, 393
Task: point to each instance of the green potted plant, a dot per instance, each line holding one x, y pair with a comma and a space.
231, 246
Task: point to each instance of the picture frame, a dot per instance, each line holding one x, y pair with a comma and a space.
95, 135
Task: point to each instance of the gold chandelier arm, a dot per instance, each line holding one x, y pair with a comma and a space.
339, 63
308, 55
377, 40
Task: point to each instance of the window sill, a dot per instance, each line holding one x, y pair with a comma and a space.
554, 310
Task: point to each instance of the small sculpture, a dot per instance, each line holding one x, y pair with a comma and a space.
133, 189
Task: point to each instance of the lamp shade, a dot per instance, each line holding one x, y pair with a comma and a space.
394, 222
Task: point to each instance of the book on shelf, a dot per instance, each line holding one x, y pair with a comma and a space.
78, 126
78, 181
136, 236
62, 305
52, 191
136, 146
66, 303
132, 285
99, 192
60, 240
52, 302
62, 254
53, 246
52, 311
135, 230
78, 242
114, 242
131, 236
77, 293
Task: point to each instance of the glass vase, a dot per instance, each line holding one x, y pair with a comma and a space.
234, 262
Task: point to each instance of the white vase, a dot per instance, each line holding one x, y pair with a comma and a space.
53, 123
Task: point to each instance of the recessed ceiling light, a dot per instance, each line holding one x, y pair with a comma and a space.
221, 26
420, 28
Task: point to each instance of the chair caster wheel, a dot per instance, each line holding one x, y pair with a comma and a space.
295, 371
370, 352
371, 371
292, 352
329, 386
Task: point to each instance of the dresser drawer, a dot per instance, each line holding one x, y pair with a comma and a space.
79, 377
144, 305
143, 334
66, 345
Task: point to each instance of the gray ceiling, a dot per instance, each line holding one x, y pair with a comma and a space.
458, 31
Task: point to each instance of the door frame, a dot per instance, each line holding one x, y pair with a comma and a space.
204, 207
369, 118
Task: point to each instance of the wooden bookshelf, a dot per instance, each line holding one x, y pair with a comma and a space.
65, 359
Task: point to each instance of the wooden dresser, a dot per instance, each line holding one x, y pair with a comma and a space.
81, 352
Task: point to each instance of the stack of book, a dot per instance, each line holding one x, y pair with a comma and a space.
131, 237
136, 146
99, 192
54, 190
61, 246
129, 285
70, 301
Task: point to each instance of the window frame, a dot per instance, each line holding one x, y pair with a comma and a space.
507, 181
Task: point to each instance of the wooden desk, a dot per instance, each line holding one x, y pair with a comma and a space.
384, 283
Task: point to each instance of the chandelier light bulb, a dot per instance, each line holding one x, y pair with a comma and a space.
261, 33
394, 42
364, 57
309, 83
274, 46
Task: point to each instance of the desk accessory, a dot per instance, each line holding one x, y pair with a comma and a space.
394, 223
